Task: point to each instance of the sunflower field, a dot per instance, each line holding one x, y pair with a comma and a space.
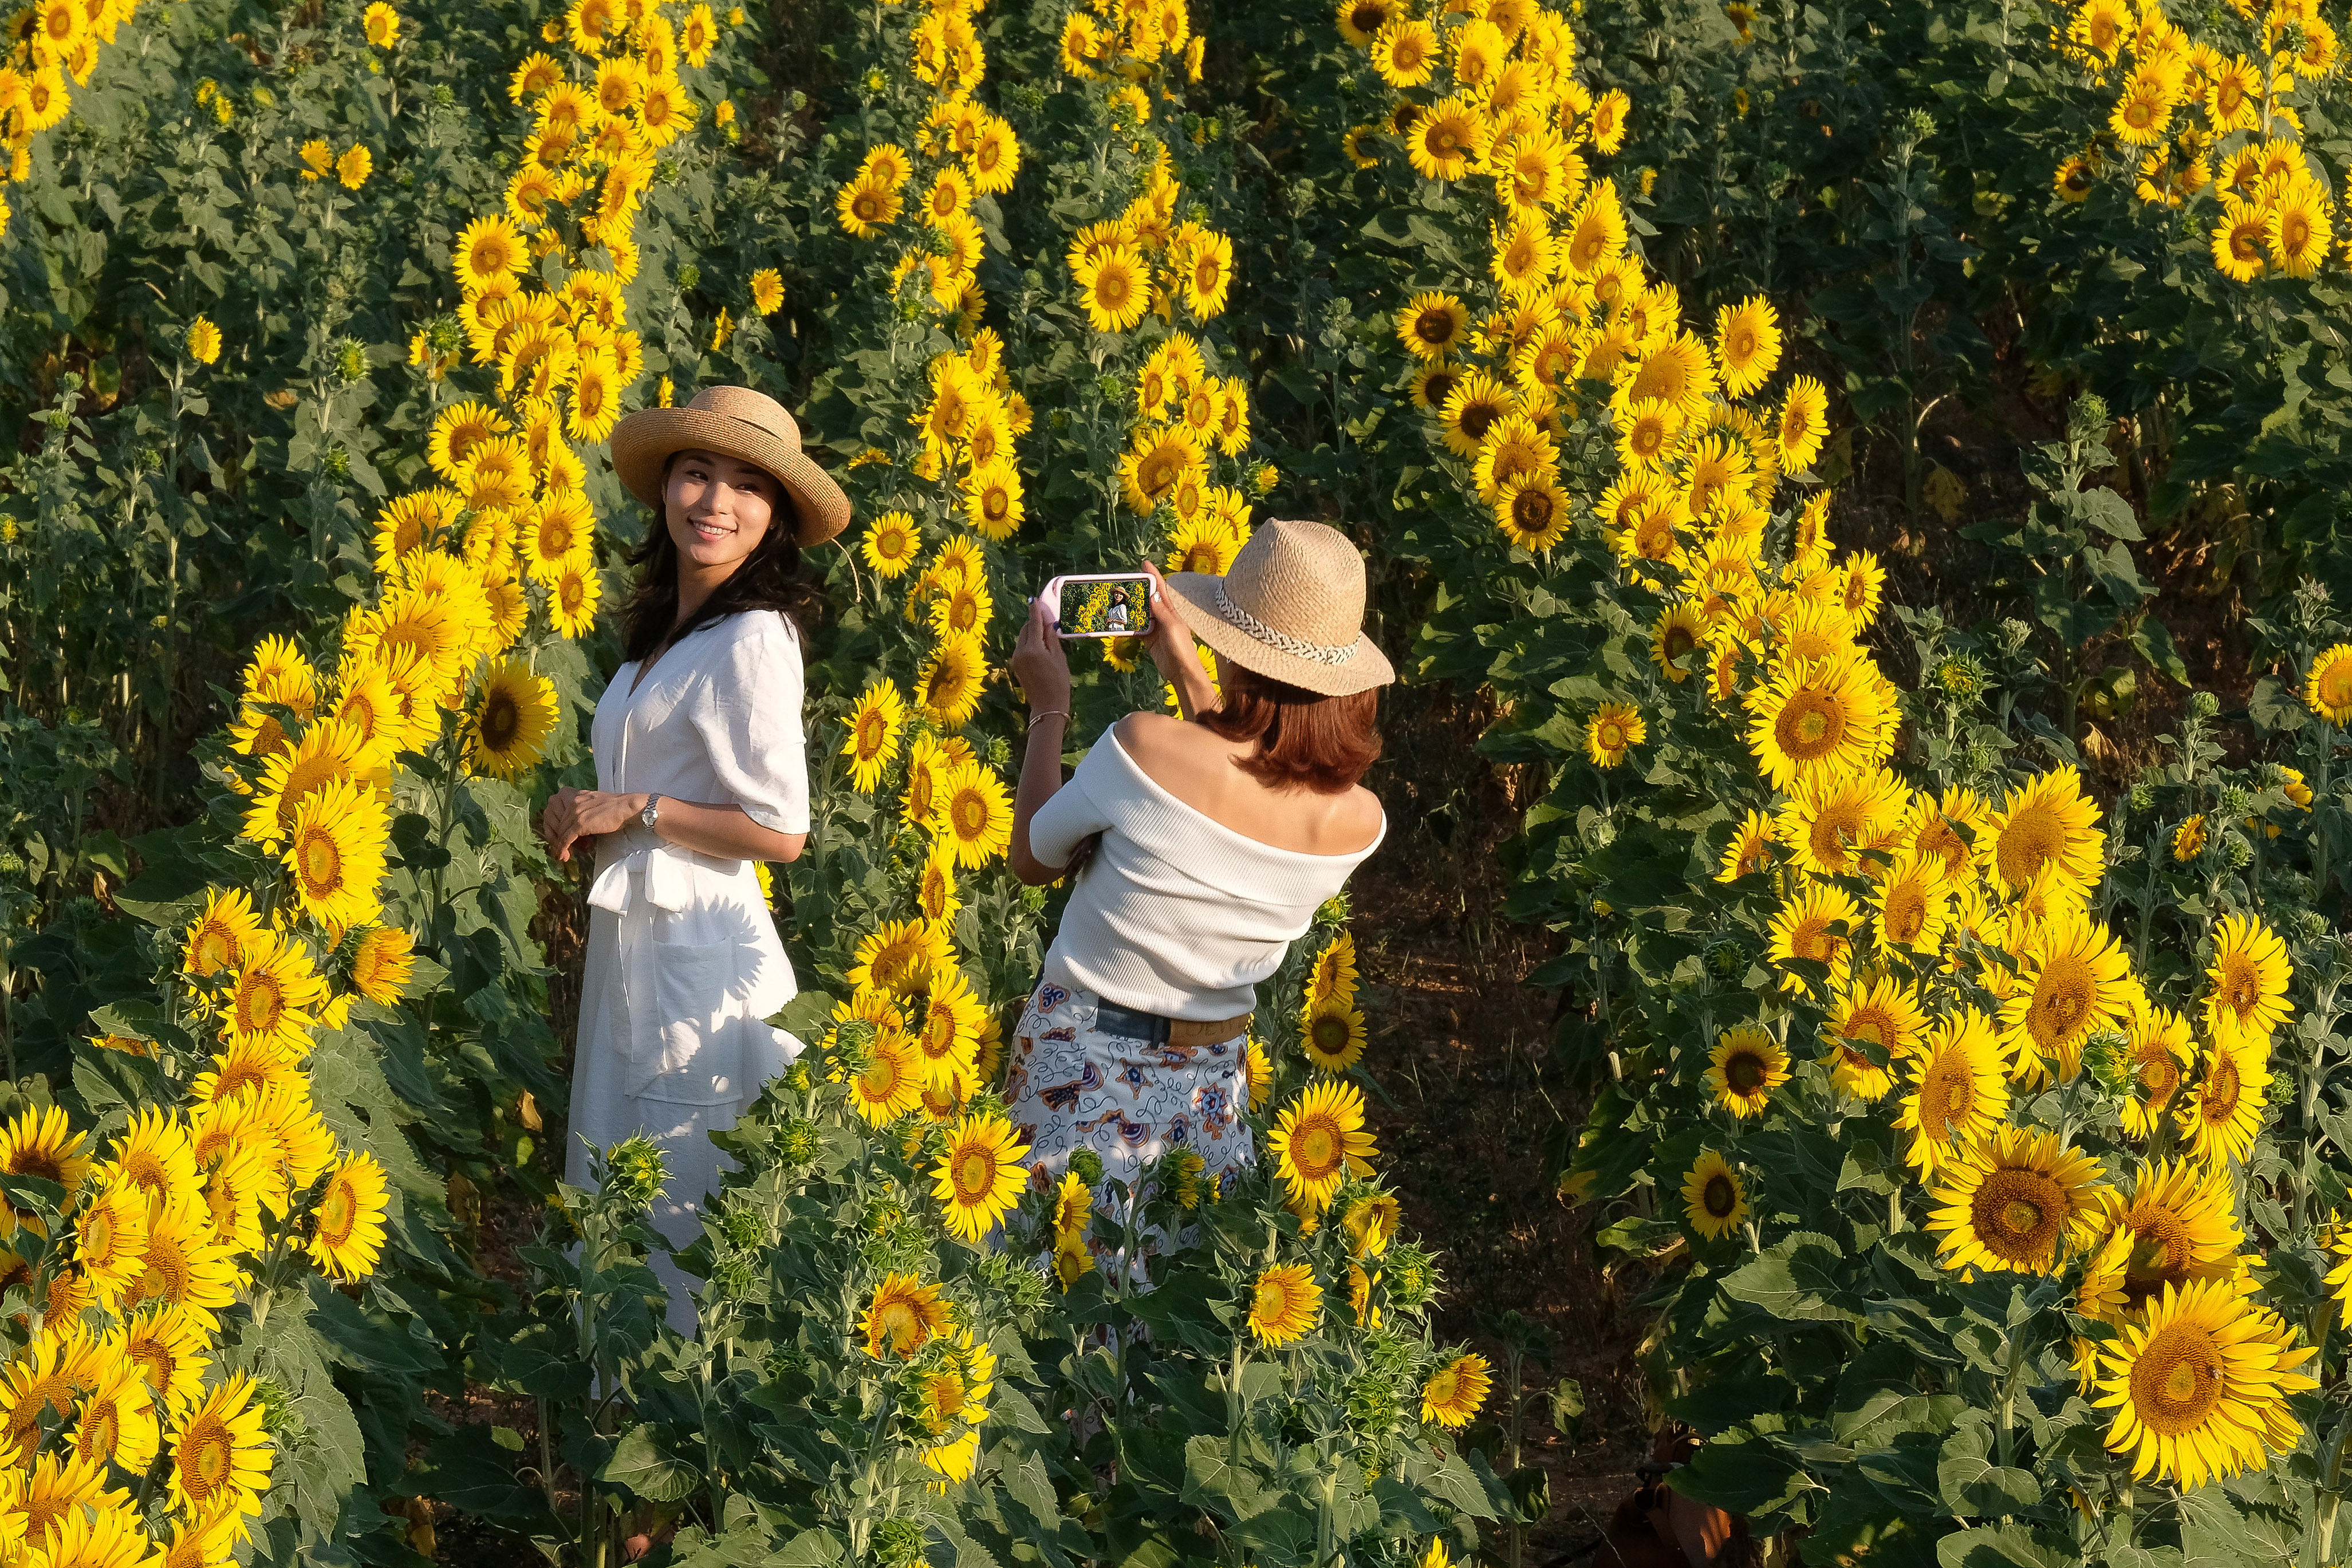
1866, 479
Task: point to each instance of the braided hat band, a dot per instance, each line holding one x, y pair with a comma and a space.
1319, 652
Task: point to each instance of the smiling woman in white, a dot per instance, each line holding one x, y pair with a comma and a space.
701, 772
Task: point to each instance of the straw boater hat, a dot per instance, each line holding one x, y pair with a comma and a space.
1292, 609
739, 422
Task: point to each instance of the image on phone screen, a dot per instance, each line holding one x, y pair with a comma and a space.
1115, 609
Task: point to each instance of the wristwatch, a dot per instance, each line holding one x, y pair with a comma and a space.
652, 812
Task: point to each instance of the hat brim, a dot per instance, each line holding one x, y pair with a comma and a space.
644, 441
1196, 603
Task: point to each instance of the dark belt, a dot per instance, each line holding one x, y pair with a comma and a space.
1129, 1024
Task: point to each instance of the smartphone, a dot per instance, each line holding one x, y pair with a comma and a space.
1100, 604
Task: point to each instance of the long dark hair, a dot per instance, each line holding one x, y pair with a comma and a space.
769, 579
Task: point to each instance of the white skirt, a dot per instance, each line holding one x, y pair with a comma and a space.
683, 964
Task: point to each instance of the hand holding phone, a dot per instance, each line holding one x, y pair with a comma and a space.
1099, 605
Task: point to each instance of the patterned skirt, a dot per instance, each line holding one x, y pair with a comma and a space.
1073, 1085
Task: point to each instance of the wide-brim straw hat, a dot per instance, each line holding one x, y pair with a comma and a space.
739, 422
1291, 609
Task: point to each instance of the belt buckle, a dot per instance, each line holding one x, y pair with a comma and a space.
1132, 1024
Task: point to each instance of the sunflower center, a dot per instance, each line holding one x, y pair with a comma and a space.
880, 1080
1329, 1034
971, 813
1812, 938
321, 863
1906, 913
974, 1174
1744, 1072
1811, 725
1945, 1095
2240, 991
1315, 1150
206, 1459
2160, 1075
2018, 1215
2177, 1379
2062, 998
1111, 288
1719, 1197
2032, 838
1435, 328
2336, 684
38, 1162
167, 1272
2221, 1087
261, 1000
1613, 736
1865, 1026
873, 729
339, 1213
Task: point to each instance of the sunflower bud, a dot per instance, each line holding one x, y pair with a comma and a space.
1413, 1276
899, 1540
2143, 796
744, 1227
634, 1170
796, 1142
1088, 1166
2235, 802
2204, 704
689, 277
2237, 852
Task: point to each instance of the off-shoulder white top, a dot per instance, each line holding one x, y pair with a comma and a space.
1176, 913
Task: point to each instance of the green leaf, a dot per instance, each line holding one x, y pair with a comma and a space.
1797, 1279
2003, 1546
657, 1461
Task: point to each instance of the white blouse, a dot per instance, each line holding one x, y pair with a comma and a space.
1175, 913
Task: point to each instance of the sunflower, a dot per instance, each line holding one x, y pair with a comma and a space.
489, 248
2328, 687
888, 1083
2199, 1386
118, 1423
154, 1155
1802, 424
1430, 325
875, 725
2073, 981
111, 1237
891, 544
898, 956
1836, 825
222, 1454
169, 1347
1912, 904
1155, 464
1477, 402
2238, 240
1820, 718
1596, 232
1802, 930
2048, 823
1746, 344
1611, 731
1285, 1302
1332, 1033
904, 1313
972, 815
1404, 53
2158, 1051
1745, 1065
40, 1142
947, 1032
219, 937
2018, 1202
1532, 512
1957, 1092
993, 501
2220, 1117
1750, 850
1884, 1014
1317, 1139
866, 206
979, 1176
947, 688
1714, 1200
1334, 973
1114, 287
348, 1234
2250, 977
1456, 1390
1371, 1222
2299, 231
335, 854
1444, 142
456, 431
2177, 1227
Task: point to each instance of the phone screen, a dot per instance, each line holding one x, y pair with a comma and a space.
1115, 609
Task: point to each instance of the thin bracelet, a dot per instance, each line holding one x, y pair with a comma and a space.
1048, 713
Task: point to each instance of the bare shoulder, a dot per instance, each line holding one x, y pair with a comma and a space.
1159, 737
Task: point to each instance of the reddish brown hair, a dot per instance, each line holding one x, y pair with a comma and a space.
1305, 740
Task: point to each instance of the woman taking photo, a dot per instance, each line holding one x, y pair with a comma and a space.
1210, 841
701, 770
